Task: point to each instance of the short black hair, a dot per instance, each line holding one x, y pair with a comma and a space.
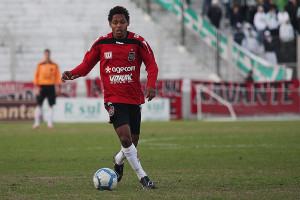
118, 10
47, 50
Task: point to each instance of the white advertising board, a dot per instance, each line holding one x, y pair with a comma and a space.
92, 110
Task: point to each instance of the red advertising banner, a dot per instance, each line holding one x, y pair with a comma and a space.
94, 87
171, 89
68, 89
12, 90
249, 99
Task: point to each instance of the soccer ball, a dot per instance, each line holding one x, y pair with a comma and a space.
105, 179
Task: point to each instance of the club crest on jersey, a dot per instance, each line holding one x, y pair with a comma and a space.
108, 55
131, 56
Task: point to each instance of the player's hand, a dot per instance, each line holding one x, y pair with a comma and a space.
150, 93
37, 90
57, 90
67, 75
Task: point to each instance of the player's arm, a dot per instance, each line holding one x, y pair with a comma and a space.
57, 81
91, 58
151, 68
36, 81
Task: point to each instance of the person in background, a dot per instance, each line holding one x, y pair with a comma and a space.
287, 42
249, 78
215, 13
238, 34
269, 46
250, 41
272, 22
235, 17
47, 84
291, 9
286, 32
282, 16
260, 23
269, 5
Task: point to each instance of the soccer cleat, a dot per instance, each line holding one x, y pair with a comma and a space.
50, 127
147, 183
35, 126
118, 168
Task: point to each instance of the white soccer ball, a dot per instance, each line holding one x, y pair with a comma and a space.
105, 179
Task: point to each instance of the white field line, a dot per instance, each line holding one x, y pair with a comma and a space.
155, 143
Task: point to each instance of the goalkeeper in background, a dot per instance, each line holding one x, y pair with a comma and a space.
121, 54
47, 84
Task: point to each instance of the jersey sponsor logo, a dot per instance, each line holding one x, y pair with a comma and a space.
119, 42
136, 36
107, 69
120, 78
119, 69
108, 55
131, 56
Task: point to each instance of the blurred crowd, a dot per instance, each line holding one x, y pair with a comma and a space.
264, 27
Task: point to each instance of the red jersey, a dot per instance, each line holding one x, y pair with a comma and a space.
120, 64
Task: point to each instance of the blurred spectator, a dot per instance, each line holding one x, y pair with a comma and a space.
272, 22
269, 5
248, 29
291, 9
260, 3
286, 32
215, 13
282, 16
269, 45
205, 6
250, 42
238, 34
287, 42
228, 6
249, 78
235, 17
250, 11
260, 23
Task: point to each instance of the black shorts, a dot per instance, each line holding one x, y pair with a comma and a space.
46, 91
121, 114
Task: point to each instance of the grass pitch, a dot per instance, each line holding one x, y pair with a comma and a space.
185, 159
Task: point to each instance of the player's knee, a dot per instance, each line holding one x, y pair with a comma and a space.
135, 139
125, 141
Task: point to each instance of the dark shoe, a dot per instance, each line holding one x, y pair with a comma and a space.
147, 183
118, 168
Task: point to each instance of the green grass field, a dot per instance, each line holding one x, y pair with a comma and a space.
185, 159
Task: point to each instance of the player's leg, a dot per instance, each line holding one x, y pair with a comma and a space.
135, 126
37, 116
51, 100
38, 109
135, 139
116, 111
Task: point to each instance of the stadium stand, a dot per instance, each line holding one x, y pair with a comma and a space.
69, 28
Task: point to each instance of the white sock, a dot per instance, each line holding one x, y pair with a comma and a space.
37, 115
120, 157
50, 117
133, 159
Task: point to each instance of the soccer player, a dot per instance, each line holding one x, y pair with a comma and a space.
47, 84
121, 54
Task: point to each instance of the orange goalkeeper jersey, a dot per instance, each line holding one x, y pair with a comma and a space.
47, 74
